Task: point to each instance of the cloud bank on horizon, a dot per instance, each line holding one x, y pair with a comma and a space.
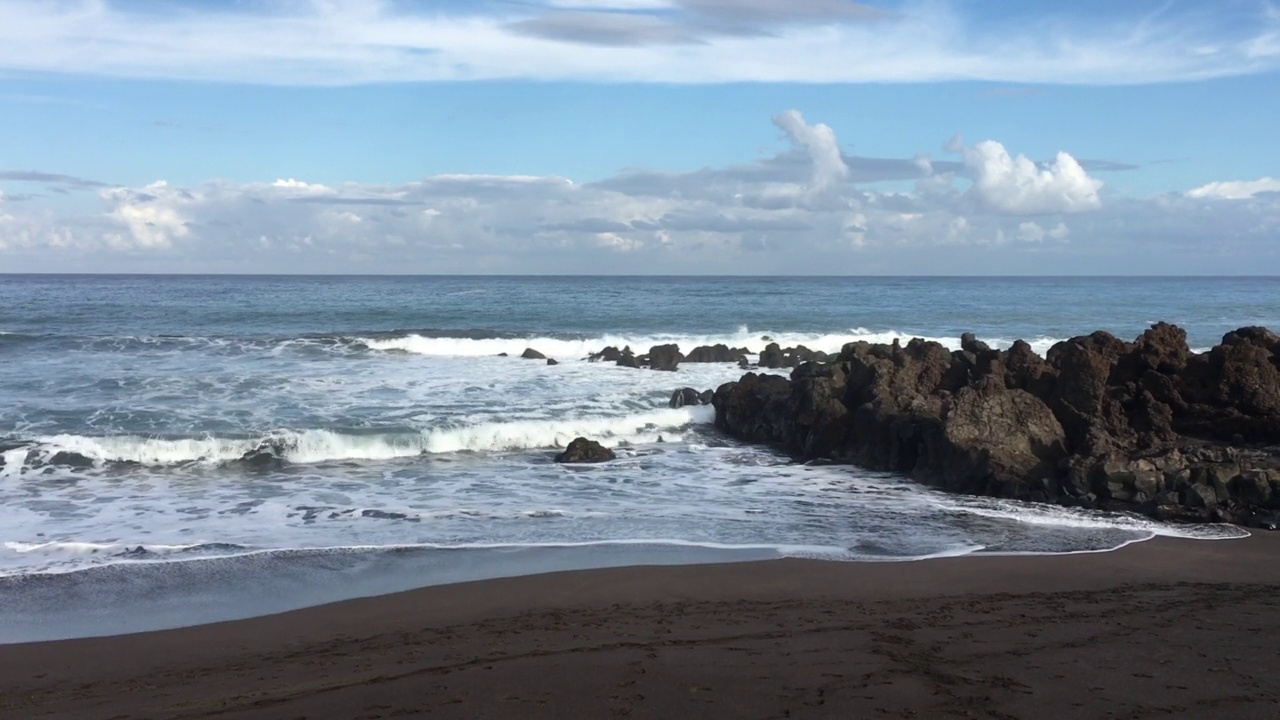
809, 205
807, 208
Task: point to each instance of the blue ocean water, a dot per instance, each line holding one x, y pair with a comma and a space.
409, 452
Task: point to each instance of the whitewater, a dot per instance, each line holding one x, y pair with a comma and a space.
182, 449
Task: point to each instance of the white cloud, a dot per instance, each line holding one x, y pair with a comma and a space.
1236, 189
153, 215
819, 141
303, 188
1032, 232
1018, 186
328, 42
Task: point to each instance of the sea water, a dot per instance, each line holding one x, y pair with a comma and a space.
407, 450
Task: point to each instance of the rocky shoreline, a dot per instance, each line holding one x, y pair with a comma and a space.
1148, 427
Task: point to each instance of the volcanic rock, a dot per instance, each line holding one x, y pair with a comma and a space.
772, 356
1148, 426
66, 458
715, 354
664, 357
608, 354
689, 396
582, 450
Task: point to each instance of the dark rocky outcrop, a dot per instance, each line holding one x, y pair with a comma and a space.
689, 396
582, 450
669, 357
664, 357
715, 354
552, 361
774, 356
531, 354
609, 354
1146, 426
67, 458
628, 359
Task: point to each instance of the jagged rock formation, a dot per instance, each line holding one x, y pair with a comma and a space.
1146, 426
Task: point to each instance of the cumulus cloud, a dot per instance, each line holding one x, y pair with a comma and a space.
324, 42
1236, 189
153, 216
819, 141
1020, 186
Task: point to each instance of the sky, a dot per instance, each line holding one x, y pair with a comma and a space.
805, 137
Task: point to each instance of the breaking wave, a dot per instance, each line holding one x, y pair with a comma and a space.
481, 343
320, 445
426, 343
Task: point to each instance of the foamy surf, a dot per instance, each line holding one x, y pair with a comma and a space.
319, 445
752, 341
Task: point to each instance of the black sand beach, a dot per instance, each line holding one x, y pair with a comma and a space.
1166, 628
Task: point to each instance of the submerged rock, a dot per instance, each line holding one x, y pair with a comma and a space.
582, 450
1146, 426
66, 458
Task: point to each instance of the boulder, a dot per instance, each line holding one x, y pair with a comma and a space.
608, 354
66, 458
531, 354
664, 357
627, 359
683, 397
552, 361
772, 356
714, 354
582, 450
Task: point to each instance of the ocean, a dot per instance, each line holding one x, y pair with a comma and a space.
405, 451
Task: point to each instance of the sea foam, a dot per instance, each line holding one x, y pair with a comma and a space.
321, 445
575, 348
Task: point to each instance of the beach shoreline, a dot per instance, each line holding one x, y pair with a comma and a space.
1168, 626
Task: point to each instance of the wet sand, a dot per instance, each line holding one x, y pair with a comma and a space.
1162, 629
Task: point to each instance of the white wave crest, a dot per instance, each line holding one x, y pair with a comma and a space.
753, 341
315, 446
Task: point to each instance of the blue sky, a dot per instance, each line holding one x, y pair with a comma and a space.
664, 136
